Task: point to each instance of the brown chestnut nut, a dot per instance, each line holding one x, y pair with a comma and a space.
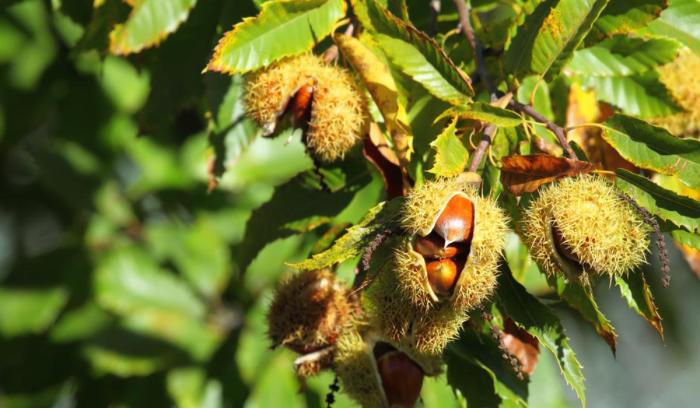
455, 223
433, 247
442, 275
300, 105
401, 377
561, 246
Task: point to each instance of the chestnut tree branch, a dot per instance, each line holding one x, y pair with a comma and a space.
558, 131
468, 30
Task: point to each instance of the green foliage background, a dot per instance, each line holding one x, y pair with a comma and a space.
124, 282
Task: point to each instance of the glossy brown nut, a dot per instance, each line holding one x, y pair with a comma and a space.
300, 105
455, 223
442, 275
561, 246
433, 247
401, 377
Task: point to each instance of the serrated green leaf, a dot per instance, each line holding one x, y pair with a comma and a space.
640, 95
477, 346
530, 314
635, 290
386, 23
355, 239
472, 381
484, 112
548, 37
681, 20
283, 28
684, 237
622, 56
623, 16
412, 63
148, 24
654, 148
580, 298
29, 311
450, 154
665, 204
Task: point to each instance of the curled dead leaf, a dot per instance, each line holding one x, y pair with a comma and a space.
520, 344
378, 152
524, 174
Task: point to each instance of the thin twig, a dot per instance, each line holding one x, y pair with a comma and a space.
481, 147
558, 131
468, 31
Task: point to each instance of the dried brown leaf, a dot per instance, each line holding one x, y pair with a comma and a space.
524, 174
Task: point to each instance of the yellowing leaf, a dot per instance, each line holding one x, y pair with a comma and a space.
283, 28
378, 80
148, 24
450, 154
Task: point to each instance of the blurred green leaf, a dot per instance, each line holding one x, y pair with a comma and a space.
127, 88
29, 311
295, 207
356, 238
681, 20
148, 24
80, 323
129, 280
190, 388
686, 238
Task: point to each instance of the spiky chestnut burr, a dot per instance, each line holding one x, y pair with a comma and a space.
471, 231
308, 311
677, 75
378, 373
323, 100
580, 227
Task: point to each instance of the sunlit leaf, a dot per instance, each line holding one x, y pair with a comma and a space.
450, 154
378, 80
283, 28
681, 20
654, 148
623, 16
622, 56
665, 204
548, 37
386, 23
